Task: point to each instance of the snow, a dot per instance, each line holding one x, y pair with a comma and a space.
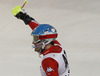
78, 25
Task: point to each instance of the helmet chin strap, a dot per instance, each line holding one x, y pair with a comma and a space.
44, 43
43, 46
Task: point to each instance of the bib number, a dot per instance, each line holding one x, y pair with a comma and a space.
65, 59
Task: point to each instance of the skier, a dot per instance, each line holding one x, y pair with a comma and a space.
54, 61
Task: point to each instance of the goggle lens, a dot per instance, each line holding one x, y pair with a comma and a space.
35, 39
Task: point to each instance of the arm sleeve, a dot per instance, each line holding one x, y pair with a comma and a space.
50, 67
33, 24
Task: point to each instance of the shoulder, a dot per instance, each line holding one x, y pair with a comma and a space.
56, 49
50, 66
48, 61
52, 56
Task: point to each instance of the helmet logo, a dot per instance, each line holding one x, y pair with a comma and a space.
53, 30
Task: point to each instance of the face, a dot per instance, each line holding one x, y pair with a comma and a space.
39, 46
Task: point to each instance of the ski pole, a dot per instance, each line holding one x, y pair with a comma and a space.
25, 2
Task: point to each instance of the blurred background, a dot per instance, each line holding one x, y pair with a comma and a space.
78, 25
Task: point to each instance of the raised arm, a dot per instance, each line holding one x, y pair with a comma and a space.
19, 13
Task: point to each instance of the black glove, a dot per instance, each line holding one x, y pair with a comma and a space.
25, 17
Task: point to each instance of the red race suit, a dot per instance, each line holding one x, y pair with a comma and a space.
54, 61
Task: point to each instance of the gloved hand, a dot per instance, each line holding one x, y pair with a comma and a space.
19, 12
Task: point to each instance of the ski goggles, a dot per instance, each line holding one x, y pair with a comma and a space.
37, 38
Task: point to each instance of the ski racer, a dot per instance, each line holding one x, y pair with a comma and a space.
54, 61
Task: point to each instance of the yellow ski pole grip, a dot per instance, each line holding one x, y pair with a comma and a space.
16, 10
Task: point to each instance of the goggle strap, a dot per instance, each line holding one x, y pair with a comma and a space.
48, 36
